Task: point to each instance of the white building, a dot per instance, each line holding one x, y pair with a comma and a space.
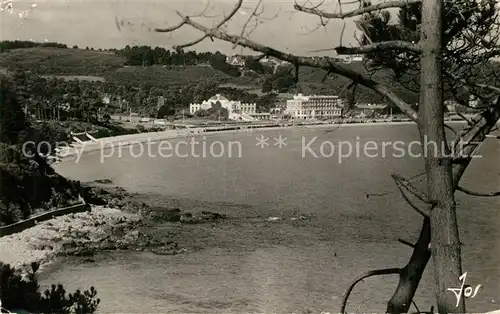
451, 105
350, 58
236, 60
321, 107
473, 101
234, 108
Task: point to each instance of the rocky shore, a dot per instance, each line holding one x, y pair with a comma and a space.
116, 222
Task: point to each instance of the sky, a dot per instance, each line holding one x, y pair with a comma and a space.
93, 23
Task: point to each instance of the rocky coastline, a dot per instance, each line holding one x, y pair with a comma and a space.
116, 222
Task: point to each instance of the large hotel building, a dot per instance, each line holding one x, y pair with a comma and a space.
319, 107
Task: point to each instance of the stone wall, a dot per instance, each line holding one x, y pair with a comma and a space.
30, 222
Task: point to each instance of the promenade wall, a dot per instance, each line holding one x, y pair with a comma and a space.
32, 221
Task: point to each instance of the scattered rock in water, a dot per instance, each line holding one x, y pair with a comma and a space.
301, 217
88, 260
103, 181
132, 236
91, 197
204, 217
169, 249
82, 251
100, 191
211, 216
187, 218
162, 214
273, 219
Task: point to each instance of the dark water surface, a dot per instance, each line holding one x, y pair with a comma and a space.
286, 266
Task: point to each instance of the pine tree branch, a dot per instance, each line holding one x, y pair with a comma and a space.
357, 12
377, 272
320, 63
411, 274
497, 137
415, 207
380, 46
403, 182
474, 136
472, 193
408, 243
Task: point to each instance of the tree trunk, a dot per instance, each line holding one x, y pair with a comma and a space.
445, 243
411, 274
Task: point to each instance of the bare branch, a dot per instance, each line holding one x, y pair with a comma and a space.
486, 120
224, 21
390, 191
469, 122
415, 207
173, 28
246, 23
406, 243
377, 272
384, 45
322, 63
357, 12
490, 87
469, 192
416, 307
450, 128
403, 182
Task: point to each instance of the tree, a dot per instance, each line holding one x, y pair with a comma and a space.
25, 294
106, 118
12, 118
267, 86
446, 52
165, 111
217, 112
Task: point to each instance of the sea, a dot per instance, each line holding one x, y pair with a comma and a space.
310, 209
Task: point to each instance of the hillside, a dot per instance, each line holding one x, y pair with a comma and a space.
163, 76
60, 61
79, 63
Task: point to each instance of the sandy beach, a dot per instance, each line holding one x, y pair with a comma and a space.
131, 139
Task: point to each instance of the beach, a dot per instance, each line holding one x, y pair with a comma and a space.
131, 139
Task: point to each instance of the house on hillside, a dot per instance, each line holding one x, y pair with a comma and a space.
106, 99
236, 60
349, 58
273, 62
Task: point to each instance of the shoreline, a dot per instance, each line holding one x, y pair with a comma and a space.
124, 222
48, 240
137, 138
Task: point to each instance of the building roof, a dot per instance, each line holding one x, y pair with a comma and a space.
300, 96
218, 97
371, 106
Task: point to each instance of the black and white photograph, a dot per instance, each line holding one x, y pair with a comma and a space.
249, 156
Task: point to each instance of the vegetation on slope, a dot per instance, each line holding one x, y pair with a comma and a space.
61, 61
20, 294
27, 183
173, 71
